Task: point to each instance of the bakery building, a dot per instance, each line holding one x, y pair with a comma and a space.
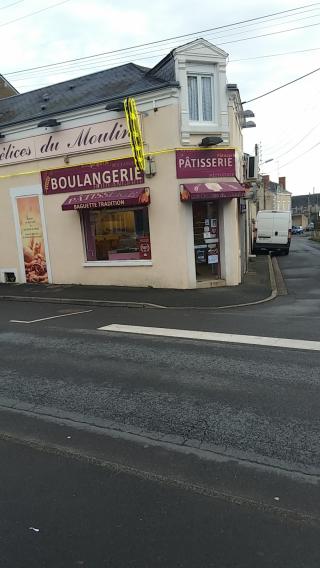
75, 208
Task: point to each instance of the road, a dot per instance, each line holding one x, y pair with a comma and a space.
59, 512
238, 422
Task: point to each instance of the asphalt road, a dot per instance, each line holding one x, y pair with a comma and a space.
58, 512
246, 401
242, 420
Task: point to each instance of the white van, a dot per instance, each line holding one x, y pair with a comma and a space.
272, 231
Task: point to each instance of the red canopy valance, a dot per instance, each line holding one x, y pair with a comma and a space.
109, 199
210, 191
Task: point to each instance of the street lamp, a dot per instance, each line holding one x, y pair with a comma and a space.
211, 141
249, 124
272, 160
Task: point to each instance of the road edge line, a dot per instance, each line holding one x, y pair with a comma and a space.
119, 304
81, 302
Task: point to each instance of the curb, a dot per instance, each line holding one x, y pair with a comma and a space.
274, 273
177, 443
279, 280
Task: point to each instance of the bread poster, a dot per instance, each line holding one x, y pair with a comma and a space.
34, 255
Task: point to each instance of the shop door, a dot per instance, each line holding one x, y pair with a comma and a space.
206, 240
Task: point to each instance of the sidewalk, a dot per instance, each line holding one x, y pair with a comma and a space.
256, 287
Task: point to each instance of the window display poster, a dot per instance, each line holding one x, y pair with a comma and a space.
144, 248
201, 255
213, 255
31, 232
214, 228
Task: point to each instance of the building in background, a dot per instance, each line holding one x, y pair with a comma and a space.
300, 220
274, 195
262, 194
75, 209
308, 208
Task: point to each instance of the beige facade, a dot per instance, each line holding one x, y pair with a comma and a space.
278, 201
273, 195
171, 221
300, 220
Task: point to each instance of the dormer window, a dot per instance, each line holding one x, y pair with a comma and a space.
200, 69
200, 97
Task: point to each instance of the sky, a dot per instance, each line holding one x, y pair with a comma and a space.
45, 32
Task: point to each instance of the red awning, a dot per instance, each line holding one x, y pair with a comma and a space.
109, 199
210, 191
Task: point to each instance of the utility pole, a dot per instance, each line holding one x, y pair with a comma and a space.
278, 186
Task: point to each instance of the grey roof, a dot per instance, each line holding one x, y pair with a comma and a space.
275, 187
100, 87
165, 69
311, 199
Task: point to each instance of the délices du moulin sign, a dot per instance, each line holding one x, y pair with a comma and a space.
80, 139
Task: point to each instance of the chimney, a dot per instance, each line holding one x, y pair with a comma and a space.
266, 181
282, 182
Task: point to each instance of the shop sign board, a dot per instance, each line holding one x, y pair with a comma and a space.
92, 137
116, 173
205, 163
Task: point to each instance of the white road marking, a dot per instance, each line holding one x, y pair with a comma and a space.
52, 317
210, 336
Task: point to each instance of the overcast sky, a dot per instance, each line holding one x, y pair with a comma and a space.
288, 122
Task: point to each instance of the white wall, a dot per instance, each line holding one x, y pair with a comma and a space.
229, 235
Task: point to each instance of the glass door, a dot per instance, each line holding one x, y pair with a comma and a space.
206, 240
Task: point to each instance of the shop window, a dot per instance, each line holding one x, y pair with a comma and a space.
200, 98
117, 235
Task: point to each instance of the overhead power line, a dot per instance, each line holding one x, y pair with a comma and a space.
297, 143
283, 53
12, 4
75, 67
300, 155
158, 42
33, 13
271, 33
282, 86
114, 59
286, 136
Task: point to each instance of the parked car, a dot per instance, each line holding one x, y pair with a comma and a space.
310, 227
297, 230
272, 231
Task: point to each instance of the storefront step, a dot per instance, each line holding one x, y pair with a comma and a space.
210, 283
